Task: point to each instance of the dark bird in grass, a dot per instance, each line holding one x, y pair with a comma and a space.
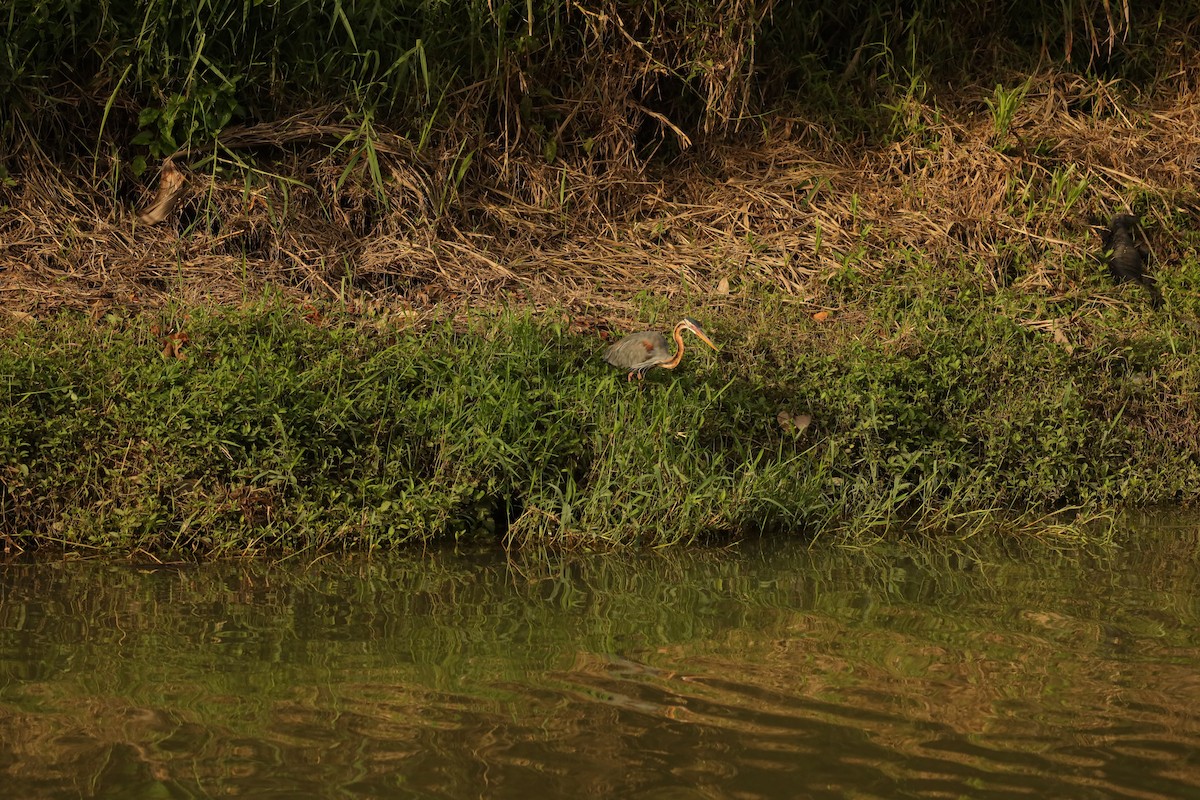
640, 352
1126, 256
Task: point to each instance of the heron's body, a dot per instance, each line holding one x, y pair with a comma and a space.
640, 352
1127, 257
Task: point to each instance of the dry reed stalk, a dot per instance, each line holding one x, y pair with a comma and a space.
785, 212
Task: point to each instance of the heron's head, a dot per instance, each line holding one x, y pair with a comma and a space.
689, 324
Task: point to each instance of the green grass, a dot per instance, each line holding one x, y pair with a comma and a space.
277, 433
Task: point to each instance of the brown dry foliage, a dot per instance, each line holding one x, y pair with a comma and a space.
786, 210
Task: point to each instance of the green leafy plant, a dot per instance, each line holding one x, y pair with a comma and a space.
186, 120
1003, 105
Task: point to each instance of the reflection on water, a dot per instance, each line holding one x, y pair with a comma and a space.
980, 671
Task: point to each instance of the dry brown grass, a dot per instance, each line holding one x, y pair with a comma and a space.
787, 210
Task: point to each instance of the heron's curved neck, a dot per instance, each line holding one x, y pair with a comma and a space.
675, 359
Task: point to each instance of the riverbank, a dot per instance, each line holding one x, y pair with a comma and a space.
342, 276
281, 426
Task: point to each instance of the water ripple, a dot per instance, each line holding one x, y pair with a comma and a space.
695, 676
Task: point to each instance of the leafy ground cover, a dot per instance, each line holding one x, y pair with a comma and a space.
276, 426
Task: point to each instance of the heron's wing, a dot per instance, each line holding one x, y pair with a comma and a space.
637, 349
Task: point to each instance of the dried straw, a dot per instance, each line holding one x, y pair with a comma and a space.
787, 211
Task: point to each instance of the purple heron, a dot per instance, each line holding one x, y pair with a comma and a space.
639, 352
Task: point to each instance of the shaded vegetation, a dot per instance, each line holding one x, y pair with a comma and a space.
598, 78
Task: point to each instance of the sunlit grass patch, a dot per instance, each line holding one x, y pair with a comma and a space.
258, 428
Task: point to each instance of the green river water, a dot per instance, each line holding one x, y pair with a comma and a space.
981, 669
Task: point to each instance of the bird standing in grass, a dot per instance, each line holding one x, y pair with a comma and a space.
640, 352
1127, 257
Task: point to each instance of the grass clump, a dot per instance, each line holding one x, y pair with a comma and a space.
277, 432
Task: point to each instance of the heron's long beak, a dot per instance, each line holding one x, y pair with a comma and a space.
696, 329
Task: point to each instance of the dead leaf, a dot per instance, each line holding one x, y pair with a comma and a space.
173, 346
170, 184
1060, 337
723, 286
793, 423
